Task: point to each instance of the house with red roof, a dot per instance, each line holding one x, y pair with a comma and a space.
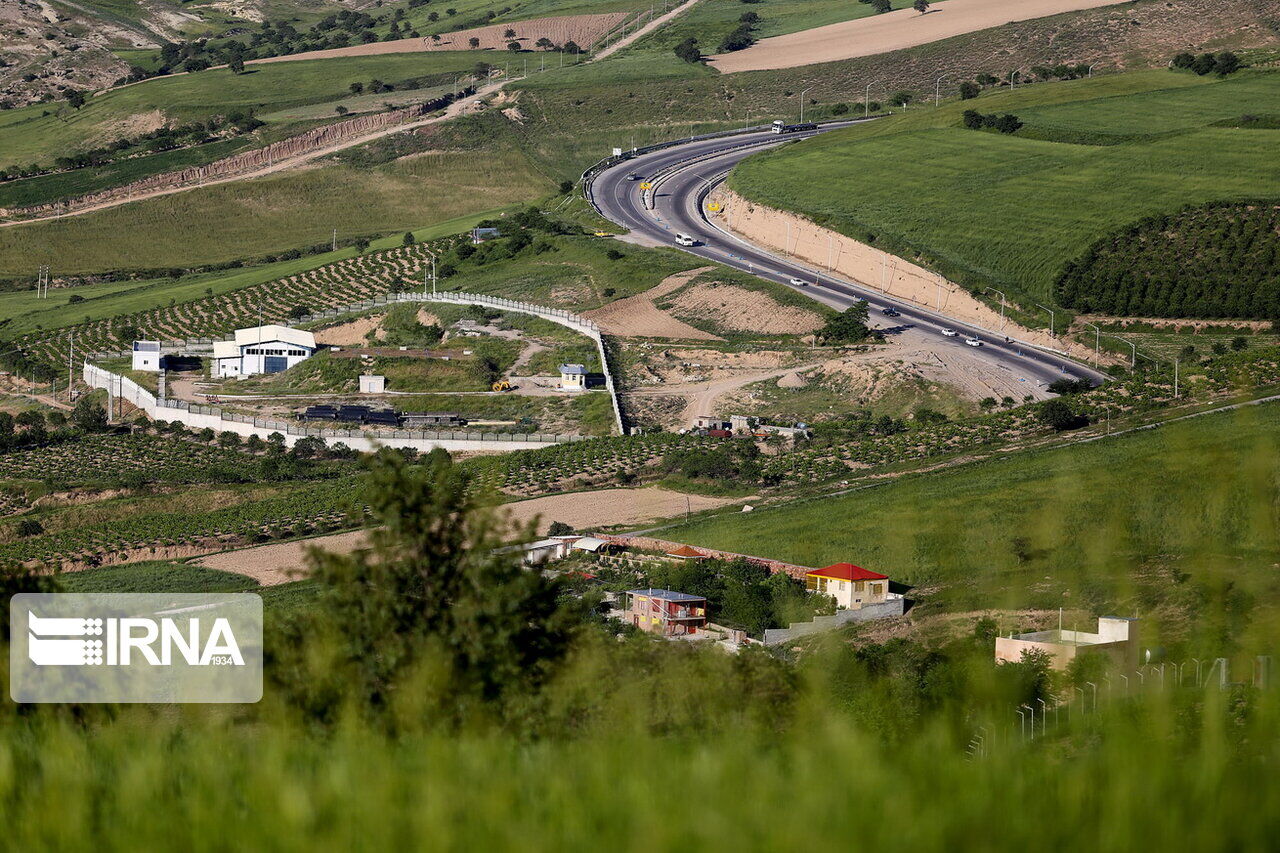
851, 586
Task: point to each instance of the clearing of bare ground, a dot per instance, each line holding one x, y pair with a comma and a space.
273, 564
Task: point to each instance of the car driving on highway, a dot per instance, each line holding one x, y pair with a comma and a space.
890, 312
685, 240
949, 333
633, 177
799, 282
973, 342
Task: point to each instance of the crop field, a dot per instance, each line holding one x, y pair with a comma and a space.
37, 134
274, 213
157, 576
295, 511
1011, 211
149, 458
1013, 533
332, 285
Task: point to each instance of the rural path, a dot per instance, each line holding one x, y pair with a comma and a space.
891, 31
703, 395
454, 110
627, 41
286, 561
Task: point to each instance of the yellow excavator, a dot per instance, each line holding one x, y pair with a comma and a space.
502, 385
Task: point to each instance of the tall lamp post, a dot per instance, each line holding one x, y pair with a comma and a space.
802, 91
1097, 341
1050, 310
1002, 301
937, 88
866, 99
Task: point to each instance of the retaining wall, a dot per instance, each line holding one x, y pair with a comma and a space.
867, 613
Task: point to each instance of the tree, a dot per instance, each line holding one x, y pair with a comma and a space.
1226, 63
972, 119
408, 239
1239, 342
921, 6
236, 63
969, 90
571, 47
435, 613
544, 43
356, 88
1204, 64
1008, 123
882, 6
508, 33
688, 50
559, 528
75, 98
89, 415
1057, 414
901, 99
513, 46
474, 42
1183, 60
849, 326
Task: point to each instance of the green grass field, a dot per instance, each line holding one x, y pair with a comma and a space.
1110, 527
37, 134
160, 576
1009, 211
245, 219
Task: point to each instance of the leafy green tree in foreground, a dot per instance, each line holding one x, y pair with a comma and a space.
431, 614
850, 326
89, 415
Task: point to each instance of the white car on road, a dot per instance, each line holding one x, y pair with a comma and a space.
685, 240
949, 333
973, 342
799, 282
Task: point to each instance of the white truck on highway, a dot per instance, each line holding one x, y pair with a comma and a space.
685, 240
781, 126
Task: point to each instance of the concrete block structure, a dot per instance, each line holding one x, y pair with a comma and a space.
373, 384
573, 377
146, 356
666, 613
1116, 637
262, 349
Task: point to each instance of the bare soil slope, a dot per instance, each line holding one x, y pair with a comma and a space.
891, 31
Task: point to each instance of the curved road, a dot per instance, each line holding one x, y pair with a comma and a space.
685, 173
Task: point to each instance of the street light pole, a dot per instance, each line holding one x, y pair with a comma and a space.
802, 91
866, 100
1052, 333
1097, 341
1002, 301
937, 89
1133, 359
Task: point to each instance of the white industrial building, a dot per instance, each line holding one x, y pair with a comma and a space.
146, 356
262, 349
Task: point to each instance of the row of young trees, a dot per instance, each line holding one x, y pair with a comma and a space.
1219, 260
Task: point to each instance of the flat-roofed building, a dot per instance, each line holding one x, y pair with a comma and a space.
262, 349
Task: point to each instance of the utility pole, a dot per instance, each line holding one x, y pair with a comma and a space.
335, 239
1176, 359
71, 348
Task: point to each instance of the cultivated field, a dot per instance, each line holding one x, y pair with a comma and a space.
583, 30
892, 31
1010, 211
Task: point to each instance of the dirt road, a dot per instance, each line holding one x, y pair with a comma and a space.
273, 564
891, 31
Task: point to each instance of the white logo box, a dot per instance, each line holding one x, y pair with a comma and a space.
112, 647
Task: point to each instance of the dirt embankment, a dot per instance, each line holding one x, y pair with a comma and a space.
801, 238
286, 561
739, 310
638, 317
891, 31
582, 30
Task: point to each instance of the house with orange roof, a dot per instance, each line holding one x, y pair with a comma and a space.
684, 552
851, 586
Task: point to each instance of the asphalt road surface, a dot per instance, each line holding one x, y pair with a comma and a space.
684, 174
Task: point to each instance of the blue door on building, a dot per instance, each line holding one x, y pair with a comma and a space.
274, 363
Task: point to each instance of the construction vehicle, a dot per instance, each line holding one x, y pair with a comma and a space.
502, 385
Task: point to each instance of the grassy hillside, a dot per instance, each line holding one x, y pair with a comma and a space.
285, 211
1175, 524
986, 208
40, 132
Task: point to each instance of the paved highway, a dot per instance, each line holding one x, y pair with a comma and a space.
683, 176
